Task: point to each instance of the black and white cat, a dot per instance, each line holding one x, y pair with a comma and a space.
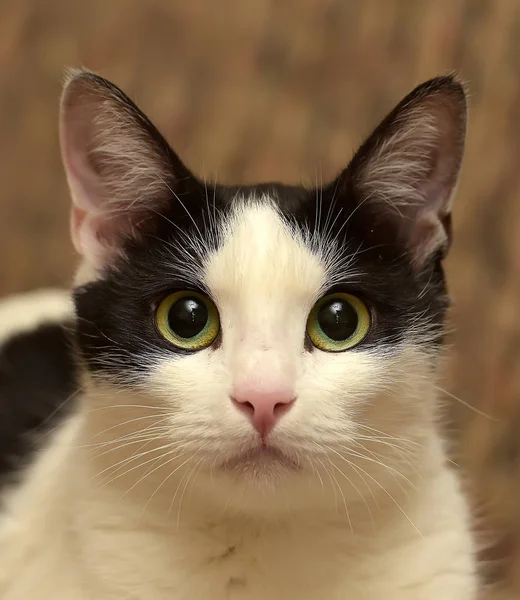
251, 412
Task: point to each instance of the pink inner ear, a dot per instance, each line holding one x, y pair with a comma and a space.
427, 236
89, 226
93, 229
94, 236
86, 188
77, 216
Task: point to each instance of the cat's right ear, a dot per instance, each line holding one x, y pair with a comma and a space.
120, 170
403, 177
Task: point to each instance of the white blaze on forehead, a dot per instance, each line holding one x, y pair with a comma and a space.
262, 260
264, 280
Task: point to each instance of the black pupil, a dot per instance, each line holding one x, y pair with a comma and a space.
338, 319
188, 317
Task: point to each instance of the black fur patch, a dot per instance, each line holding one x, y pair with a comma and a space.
37, 378
117, 328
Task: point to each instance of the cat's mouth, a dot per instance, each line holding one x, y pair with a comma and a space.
261, 458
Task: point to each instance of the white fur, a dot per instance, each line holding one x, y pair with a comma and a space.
24, 312
131, 499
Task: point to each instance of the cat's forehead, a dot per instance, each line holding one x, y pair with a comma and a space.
262, 255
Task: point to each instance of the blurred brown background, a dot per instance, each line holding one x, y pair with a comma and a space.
265, 89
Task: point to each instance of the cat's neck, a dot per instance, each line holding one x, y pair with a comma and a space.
106, 511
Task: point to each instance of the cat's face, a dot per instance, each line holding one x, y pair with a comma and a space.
264, 336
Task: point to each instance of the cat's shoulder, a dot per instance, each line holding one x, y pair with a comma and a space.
22, 313
38, 377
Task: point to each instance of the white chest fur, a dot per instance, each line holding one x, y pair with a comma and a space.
111, 550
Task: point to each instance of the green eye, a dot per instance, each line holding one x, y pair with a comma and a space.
188, 320
338, 322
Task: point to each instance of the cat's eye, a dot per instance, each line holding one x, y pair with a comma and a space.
188, 320
338, 322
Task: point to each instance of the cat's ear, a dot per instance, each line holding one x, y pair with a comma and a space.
405, 174
119, 168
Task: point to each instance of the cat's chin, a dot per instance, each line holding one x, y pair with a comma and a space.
265, 480
261, 461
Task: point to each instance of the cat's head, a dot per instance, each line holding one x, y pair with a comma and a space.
261, 337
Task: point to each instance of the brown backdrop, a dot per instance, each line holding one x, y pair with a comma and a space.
281, 89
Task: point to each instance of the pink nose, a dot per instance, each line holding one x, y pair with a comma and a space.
263, 407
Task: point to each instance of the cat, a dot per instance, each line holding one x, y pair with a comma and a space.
240, 401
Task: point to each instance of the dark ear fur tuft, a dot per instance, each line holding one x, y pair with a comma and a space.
406, 172
118, 165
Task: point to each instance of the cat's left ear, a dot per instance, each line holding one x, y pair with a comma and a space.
121, 172
404, 176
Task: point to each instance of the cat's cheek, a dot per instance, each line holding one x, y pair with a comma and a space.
383, 386
403, 402
195, 389
339, 382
